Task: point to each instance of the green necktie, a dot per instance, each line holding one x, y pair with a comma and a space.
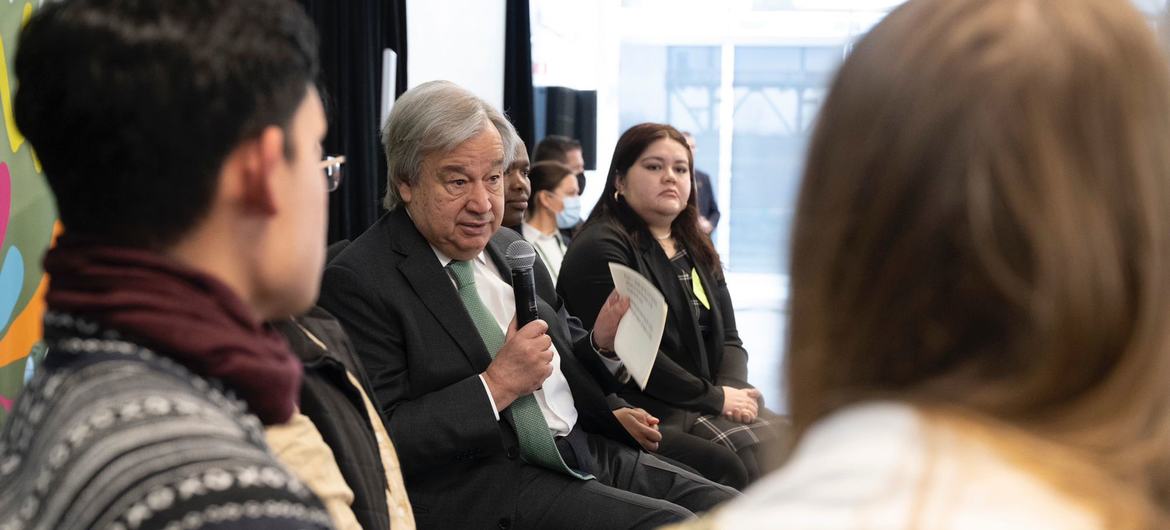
536, 442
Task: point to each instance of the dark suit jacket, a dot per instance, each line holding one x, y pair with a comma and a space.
689, 372
424, 356
706, 198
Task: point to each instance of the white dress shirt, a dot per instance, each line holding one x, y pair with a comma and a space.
549, 246
552, 251
555, 398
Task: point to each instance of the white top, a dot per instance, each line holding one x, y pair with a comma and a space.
875, 467
550, 247
555, 398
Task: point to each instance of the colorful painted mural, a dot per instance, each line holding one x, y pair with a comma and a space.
27, 220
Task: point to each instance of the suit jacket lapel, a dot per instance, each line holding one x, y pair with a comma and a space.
714, 348
433, 286
496, 253
678, 304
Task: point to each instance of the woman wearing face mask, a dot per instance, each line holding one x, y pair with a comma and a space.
553, 204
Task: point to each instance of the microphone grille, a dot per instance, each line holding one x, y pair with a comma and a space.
520, 255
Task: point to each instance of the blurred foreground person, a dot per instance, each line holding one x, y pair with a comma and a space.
183, 143
979, 278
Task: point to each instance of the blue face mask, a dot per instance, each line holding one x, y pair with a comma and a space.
570, 215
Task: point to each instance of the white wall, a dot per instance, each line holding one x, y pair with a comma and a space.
458, 40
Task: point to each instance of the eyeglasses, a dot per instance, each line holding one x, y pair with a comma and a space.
332, 168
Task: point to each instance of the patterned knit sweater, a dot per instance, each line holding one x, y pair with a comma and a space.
109, 435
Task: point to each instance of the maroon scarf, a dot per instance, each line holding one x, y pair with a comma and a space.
181, 313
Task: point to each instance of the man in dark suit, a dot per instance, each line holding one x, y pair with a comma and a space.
508, 429
705, 195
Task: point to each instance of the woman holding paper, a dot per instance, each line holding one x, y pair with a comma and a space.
647, 220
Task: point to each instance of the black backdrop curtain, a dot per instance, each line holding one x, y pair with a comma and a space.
354, 34
568, 112
518, 98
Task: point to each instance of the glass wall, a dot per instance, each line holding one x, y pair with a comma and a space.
778, 90
747, 78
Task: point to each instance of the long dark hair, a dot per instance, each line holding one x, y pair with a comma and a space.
615, 209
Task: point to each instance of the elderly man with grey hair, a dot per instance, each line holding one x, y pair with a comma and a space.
495, 426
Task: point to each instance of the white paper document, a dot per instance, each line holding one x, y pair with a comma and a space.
640, 331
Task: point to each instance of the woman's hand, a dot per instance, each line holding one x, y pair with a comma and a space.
641, 425
741, 405
605, 327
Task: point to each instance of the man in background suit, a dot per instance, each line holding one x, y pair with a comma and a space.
705, 199
509, 429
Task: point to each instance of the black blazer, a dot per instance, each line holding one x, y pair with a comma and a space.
423, 357
689, 373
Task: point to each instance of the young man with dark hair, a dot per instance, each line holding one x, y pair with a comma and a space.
182, 141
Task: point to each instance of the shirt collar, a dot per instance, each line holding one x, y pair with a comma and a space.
444, 260
532, 233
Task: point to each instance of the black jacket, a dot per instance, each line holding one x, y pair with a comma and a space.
689, 372
336, 408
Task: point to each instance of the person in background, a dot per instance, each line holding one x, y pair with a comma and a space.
564, 150
705, 194
568, 152
517, 188
554, 204
182, 141
646, 220
979, 290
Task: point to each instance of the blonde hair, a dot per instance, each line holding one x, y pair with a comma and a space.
983, 224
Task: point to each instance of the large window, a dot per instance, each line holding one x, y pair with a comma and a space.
778, 90
747, 78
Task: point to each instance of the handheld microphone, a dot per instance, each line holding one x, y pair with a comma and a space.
520, 257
